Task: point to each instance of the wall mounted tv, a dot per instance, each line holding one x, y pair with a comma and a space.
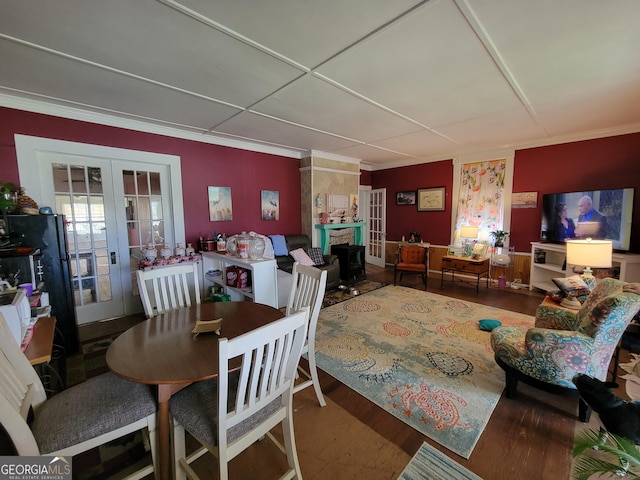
601, 214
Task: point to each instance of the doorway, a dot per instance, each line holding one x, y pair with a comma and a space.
115, 201
376, 222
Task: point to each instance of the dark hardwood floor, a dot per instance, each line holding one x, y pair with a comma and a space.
529, 437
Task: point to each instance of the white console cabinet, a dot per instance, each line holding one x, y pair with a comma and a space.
542, 273
263, 288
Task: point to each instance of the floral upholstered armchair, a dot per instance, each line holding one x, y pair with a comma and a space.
564, 343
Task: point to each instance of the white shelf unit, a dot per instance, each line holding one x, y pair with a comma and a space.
541, 274
263, 288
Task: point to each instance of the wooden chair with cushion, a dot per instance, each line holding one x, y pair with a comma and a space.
168, 287
412, 259
308, 291
83, 417
228, 414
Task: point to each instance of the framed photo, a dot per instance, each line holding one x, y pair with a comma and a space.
431, 199
406, 198
524, 200
220, 208
479, 251
270, 205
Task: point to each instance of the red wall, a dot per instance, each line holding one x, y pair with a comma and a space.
434, 227
611, 162
247, 173
604, 163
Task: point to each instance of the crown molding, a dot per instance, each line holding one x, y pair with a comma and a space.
334, 156
101, 118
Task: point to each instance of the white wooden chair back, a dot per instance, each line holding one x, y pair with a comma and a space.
307, 290
269, 357
20, 389
168, 287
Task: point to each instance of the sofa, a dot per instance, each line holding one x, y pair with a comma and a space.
331, 263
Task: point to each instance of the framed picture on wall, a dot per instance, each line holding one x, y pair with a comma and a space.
431, 199
270, 204
406, 198
220, 208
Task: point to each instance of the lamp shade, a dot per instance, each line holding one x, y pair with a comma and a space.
467, 231
589, 253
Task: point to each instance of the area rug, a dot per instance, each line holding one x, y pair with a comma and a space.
419, 356
337, 296
431, 464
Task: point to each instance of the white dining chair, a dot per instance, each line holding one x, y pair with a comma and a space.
228, 414
308, 290
168, 287
85, 416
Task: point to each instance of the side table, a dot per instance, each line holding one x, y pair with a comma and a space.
39, 353
352, 261
466, 265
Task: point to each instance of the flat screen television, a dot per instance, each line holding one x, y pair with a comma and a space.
601, 214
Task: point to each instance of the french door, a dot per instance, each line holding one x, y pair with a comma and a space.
377, 227
115, 201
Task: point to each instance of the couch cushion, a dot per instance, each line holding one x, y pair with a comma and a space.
300, 256
279, 245
315, 254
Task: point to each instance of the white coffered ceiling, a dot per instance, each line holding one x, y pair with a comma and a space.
388, 82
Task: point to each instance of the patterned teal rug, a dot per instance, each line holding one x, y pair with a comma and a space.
431, 464
419, 356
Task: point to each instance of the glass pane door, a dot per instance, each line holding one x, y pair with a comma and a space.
80, 195
377, 226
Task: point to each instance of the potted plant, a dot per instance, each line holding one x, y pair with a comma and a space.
599, 451
8, 195
498, 237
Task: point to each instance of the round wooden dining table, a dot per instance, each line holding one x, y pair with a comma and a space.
163, 351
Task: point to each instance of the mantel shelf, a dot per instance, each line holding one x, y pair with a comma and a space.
358, 233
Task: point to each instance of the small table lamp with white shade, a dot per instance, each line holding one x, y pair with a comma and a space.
589, 254
467, 233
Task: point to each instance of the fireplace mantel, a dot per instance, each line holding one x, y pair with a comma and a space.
358, 233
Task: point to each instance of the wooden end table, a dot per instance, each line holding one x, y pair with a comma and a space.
465, 265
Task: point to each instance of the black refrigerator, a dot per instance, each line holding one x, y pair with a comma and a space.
47, 234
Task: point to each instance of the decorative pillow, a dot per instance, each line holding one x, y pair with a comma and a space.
300, 256
573, 286
488, 324
315, 254
279, 245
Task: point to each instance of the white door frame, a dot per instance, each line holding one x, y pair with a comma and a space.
28, 150
378, 260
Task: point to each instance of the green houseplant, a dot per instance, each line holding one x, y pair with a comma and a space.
8, 193
498, 237
604, 453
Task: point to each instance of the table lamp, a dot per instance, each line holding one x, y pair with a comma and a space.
468, 232
589, 253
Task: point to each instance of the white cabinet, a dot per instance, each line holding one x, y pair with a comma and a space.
263, 287
548, 262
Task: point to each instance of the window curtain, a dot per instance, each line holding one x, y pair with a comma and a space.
481, 197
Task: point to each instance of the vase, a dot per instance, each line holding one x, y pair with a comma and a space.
150, 253
243, 243
165, 252
189, 251
180, 250
256, 247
